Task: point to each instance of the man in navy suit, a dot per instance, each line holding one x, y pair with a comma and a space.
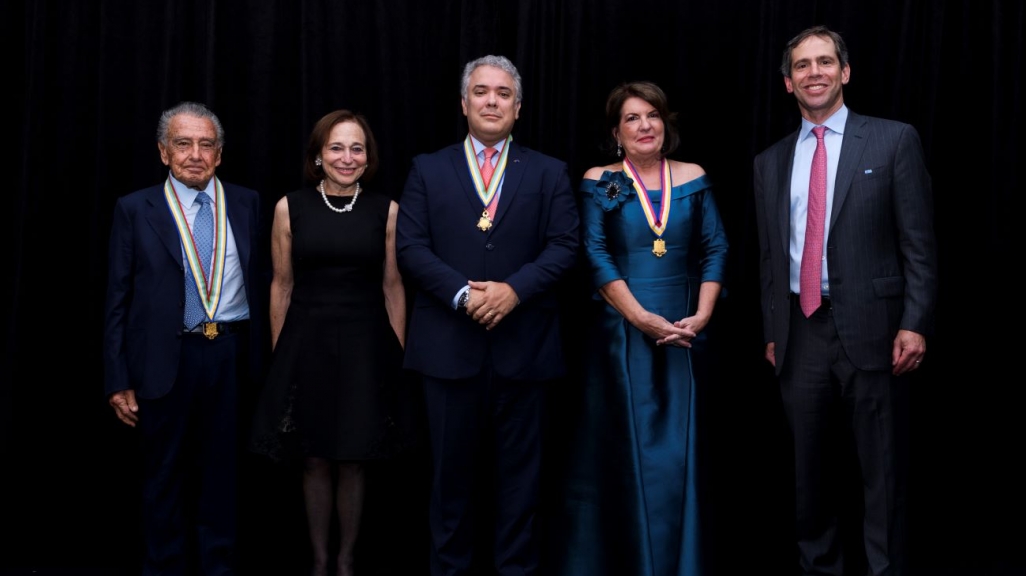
179, 332
486, 229
841, 345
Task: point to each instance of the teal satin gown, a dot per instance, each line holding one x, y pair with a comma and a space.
631, 502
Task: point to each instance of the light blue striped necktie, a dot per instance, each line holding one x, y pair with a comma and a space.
203, 236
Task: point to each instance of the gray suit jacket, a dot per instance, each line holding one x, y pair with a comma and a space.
881, 251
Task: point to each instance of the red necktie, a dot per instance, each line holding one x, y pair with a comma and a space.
811, 275
486, 174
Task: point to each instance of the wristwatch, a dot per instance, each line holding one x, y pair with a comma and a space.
461, 304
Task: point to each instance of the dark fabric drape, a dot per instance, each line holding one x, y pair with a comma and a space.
86, 82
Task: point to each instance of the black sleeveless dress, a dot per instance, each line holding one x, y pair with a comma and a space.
331, 388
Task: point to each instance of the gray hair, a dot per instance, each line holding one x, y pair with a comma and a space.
500, 62
189, 109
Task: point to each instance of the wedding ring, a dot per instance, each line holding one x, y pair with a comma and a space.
918, 361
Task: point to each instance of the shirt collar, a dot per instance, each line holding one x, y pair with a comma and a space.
835, 123
479, 147
188, 195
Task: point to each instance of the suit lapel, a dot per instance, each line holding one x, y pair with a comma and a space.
516, 164
783, 189
853, 144
237, 217
159, 217
462, 171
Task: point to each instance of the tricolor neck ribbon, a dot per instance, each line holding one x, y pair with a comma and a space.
656, 222
487, 195
208, 283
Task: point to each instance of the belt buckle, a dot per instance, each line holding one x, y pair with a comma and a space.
210, 330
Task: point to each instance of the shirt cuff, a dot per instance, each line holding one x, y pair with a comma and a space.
456, 298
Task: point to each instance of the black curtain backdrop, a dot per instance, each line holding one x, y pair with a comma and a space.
87, 81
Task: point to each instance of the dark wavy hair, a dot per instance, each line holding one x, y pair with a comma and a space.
821, 31
650, 93
321, 132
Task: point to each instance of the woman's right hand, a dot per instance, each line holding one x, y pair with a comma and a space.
619, 296
662, 330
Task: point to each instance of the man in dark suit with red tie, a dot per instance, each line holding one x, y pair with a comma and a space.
183, 328
848, 274
485, 246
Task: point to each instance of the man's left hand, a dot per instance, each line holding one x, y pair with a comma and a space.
490, 302
907, 354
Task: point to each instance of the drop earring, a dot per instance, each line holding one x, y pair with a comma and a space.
619, 150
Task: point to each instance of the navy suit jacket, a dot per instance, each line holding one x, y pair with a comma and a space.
146, 289
531, 245
881, 252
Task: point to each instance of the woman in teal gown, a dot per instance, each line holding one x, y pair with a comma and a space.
632, 503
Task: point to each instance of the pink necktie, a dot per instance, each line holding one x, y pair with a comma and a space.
811, 275
486, 174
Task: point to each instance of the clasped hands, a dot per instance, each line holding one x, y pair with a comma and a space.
490, 302
679, 333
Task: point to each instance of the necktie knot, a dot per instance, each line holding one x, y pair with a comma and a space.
202, 199
489, 152
819, 131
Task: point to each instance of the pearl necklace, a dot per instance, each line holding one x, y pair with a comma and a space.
347, 207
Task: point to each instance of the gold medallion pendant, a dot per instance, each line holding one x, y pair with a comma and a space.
210, 330
659, 247
484, 223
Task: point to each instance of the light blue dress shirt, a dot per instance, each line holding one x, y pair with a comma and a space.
233, 305
800, 172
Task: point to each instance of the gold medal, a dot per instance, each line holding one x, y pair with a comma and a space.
484, 223
486, 192
210, 330
208, 282
656, 222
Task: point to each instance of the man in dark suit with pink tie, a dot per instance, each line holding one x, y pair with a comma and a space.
486, 229
848, 273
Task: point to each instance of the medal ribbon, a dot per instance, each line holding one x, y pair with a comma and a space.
656, 223
485, 194
209, 292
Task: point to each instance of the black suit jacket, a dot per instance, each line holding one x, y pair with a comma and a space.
881, 252
531, 245
146, 283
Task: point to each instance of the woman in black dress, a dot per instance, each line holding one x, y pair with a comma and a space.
338, 314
